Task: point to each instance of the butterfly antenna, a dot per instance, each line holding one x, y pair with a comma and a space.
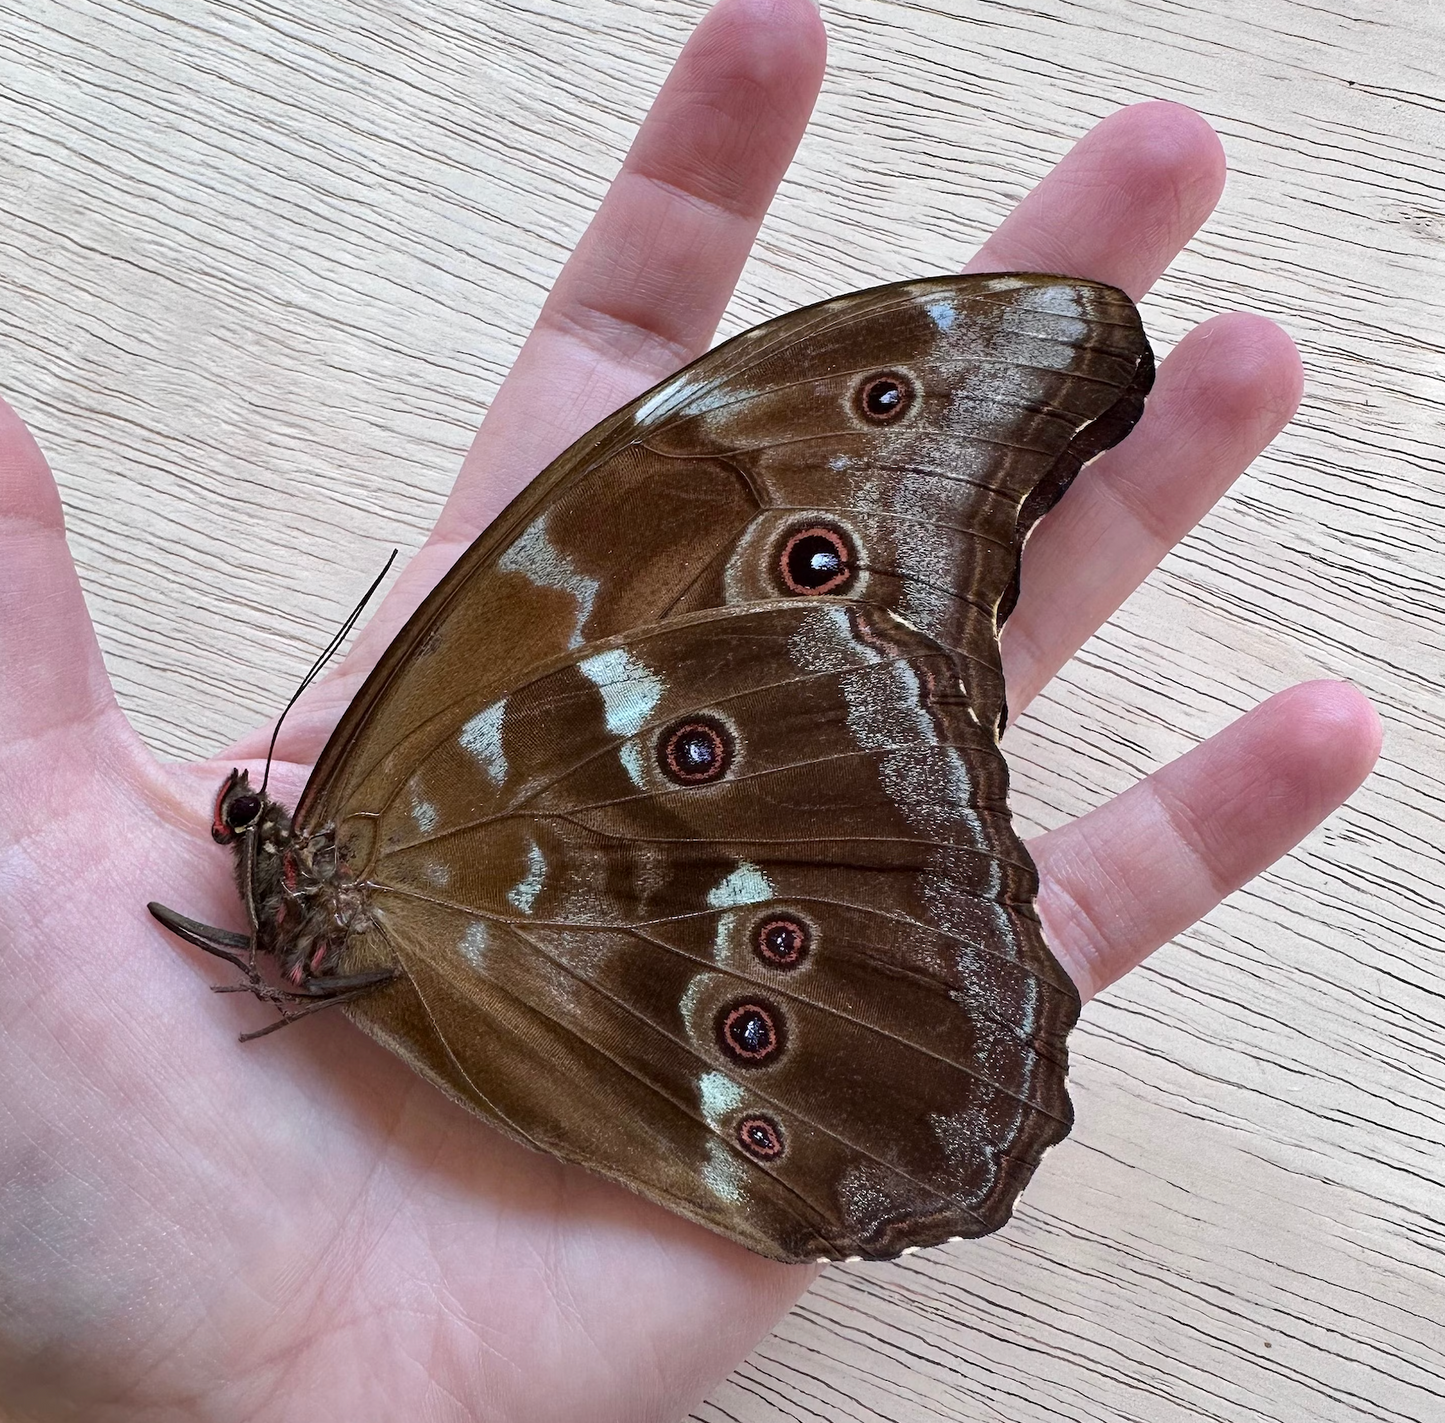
327, 653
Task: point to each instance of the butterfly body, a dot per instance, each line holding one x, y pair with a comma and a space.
671, 834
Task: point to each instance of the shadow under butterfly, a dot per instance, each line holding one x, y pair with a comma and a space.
671, 833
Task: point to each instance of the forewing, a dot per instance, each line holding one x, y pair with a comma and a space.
600, 957
705, 491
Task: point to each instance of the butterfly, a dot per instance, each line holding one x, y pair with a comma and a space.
671, 835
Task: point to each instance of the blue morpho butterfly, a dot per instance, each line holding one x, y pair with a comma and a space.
671, 835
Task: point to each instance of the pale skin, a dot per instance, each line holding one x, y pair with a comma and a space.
302, 1229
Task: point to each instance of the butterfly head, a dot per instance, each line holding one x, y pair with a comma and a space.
238, 808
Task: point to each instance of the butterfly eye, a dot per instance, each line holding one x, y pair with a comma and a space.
237, 805
761, 1138
885, 398
697, 751
782, 943
817, 559
750, 1033
242, 810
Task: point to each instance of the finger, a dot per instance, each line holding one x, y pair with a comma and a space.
648, 283
1126, 878
51, 674
1121, 204
1222, 395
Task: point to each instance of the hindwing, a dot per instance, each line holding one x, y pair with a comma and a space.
792, 987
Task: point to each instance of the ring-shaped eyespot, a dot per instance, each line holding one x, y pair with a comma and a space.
750, 1032
761, 1138
695, 751
817, 559
782, 941
884, 398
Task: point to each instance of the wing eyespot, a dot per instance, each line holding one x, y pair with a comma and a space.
761, 1138
782, 942
696, 751
750, 1032
884, 398
817, 559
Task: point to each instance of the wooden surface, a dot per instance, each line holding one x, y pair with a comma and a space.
265, 261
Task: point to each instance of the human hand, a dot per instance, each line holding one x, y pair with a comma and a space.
304, 1228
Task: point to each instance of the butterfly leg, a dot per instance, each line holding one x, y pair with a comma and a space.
315, 1005
315, 990
314, 995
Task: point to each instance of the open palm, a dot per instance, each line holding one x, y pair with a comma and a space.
302, 1228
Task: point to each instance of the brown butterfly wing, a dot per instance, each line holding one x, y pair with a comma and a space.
913, 433
687, 497
585, 937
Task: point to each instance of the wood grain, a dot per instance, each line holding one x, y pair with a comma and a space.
264, 265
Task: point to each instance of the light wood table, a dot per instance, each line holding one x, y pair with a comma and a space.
264, 264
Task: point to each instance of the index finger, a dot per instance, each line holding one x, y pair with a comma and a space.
650, 279
647, 284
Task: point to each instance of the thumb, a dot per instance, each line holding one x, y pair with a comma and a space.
53, 683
